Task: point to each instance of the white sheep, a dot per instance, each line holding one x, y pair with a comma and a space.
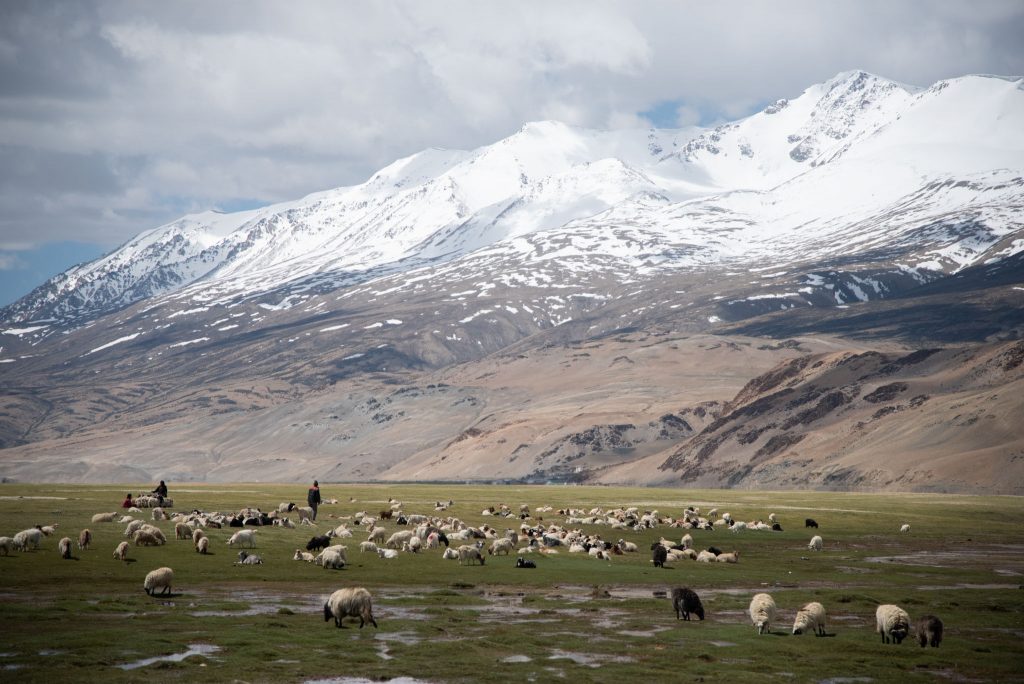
387, 553
47, 530
197, 534
301, 555
810, 618
367, 547
450, 554
342, 531
243, 538
125, 519
84, 539
503, 545
739, 526
158, 579
121, 552
158, 514
182, 531
31, 536
350, 602
203, 545
396, 540
305, 514
144, 538
133, 526
6, 544
413, 545
733, 557
377, 534
627, 546
686, 541
762, 612
64, 546
706, 557
772, 519
892, 623
815, 544
155, 531
469, 553
104, 517
905, 527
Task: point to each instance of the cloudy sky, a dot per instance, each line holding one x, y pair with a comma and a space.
116, 117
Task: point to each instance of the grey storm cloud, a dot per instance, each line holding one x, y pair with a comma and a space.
118, 116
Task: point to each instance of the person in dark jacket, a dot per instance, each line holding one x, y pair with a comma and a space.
313, 497
161, 491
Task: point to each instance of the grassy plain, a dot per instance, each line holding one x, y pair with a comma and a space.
573, 618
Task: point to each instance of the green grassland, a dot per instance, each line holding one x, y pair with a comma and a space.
572, 618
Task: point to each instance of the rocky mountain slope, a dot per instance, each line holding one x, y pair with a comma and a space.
348, 331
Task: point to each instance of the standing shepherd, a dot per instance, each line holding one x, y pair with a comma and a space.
313, 497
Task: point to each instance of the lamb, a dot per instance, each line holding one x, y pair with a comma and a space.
301, 555
810, 617
246, 558
121, 552
243, 537
929, 631
6, 544
686, 601
762, 612
158, 579
64, 546
733, 557
104, 517
892, 623
31, 536
84, 539
203, 545
905, 527
387, 553
815, 544
350, 602
659, 554
810, 522
182, 531
468, 552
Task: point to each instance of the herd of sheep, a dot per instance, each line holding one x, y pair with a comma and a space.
426, 532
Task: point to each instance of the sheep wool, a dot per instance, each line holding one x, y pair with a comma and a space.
160, 578
469, 553
815, 543
732, 557
6, 544
84, 539
810, 618
203, 545
30, 536
350, 602
182, 531
64, 546
905, 527
104, 517
121, 552
892, 623
243, 538
762, 612
144, 538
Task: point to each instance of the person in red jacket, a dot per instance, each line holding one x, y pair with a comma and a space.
127, 503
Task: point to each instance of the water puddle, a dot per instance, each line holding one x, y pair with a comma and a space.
845, 680
642, 633
517, 659
193, 649
722, 644
591, 660
363, 680
50, 652
954, 587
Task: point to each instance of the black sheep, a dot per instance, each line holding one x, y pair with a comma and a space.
317, 543
929, 631
659, 554
715, 550
776, 527
686, 601
810, 522
523, 563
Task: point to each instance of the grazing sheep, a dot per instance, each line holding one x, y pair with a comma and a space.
762, 612
810, 617
503, 545
367, 547
815, 544
350, 602
155, 531
104, 517
523, 563
144, 538
450, 554
377, 535
84, 539
892, 623
31, 536
905, 527
158, 579
331, 558
64, 546
203, 545
246, 558
305, 514
158, 514
810, 522
468, 552
659, 554
6, 544
197, 534
929, 631
301, 555
133, 527
686, 601
318, 543
396, 540
733, 557
121, 552
182, 531
244, 538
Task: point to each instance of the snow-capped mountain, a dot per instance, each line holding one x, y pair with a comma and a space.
848, 166
861, 209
